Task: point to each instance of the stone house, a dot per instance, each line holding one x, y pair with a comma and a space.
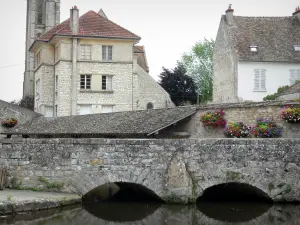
253, 56
292, 93
88, 64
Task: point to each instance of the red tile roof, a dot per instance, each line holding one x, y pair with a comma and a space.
91, 24
138, 49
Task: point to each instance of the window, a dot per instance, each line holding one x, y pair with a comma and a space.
37, 88
107, 83
48, 111
150, 105
260, 80
55, 111
106, 52
85, 81
107, 109
38, 59
253, 48
297, 48
56, 86
85, 109
86, 52
294, 75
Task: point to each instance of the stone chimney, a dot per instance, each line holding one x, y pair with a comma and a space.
229, 15
74, 20
297, 13
50, 18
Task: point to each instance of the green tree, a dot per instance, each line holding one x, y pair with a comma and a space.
27, 102
199, 65
180, 87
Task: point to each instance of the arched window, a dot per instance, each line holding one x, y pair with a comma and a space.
150, 105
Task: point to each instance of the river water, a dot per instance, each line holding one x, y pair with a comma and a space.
157, 214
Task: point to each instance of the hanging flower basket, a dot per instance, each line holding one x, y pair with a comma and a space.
265, 128
290, 114
9, 123
213, 119
237, 130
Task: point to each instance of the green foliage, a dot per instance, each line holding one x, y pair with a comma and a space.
27, 102
275, 95
51, 185
199, 65
180, 87
10, 198
266, 128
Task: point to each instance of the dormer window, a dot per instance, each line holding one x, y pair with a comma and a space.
297, 48
253, 48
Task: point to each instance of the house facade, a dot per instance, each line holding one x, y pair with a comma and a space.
253, 56
88, 64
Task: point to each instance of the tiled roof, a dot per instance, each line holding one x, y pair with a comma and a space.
292, 90
121, 123
91, 24
138, 49
274, 36
19, 109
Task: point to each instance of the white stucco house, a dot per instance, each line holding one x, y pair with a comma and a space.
253, 56
89, 64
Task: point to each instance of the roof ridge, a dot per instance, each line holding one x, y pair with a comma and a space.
267, 17
114, 23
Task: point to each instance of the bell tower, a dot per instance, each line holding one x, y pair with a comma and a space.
42, 15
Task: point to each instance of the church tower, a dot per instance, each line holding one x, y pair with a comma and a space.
42, 15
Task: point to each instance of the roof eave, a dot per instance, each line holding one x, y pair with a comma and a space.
87, 36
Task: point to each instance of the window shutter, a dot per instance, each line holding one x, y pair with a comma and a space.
256, 79
263, 80
109, 83
109, 53
292, 76
104, 53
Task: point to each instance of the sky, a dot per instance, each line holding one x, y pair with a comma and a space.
168, 28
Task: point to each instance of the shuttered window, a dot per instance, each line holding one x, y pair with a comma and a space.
86, 52
107, 82
85, 81
294, 75
260, 80
106, 52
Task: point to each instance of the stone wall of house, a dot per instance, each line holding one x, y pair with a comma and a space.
8, 111
224, 67
149, 91
178, 171
45, 75
247, 113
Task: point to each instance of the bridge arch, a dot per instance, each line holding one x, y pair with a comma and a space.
83, 183
234, 192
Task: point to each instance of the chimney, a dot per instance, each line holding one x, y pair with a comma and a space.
297, 13
74, 20
229, 15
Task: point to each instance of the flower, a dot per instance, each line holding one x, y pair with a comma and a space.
237, 130
290, 114
213, 119
265, 128
9, 123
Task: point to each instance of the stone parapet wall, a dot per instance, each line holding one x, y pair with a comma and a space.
247, 113
176, 170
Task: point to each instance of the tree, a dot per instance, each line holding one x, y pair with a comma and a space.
279, 91
27, 102
199, 65
180, 87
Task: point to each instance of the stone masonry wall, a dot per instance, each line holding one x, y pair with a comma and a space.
176, 170
247, 113
224, 67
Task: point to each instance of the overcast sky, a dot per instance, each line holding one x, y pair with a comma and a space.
167, 27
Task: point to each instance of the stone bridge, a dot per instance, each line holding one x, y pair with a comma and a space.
175, 170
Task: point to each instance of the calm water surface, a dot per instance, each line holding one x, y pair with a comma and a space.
156, 214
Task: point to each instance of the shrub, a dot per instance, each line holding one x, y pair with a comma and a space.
290, 114
9, 123
237, 130
213, 119
265, 128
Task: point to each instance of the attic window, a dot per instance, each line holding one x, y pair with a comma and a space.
253, 48
297, 48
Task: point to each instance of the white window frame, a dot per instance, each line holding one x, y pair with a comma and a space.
297, 48
107, 52
294, 75
103, 106
90, 107
260, 80
107, 85
84, 78
86, 52
37, 87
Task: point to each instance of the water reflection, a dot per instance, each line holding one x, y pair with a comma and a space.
144, 214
